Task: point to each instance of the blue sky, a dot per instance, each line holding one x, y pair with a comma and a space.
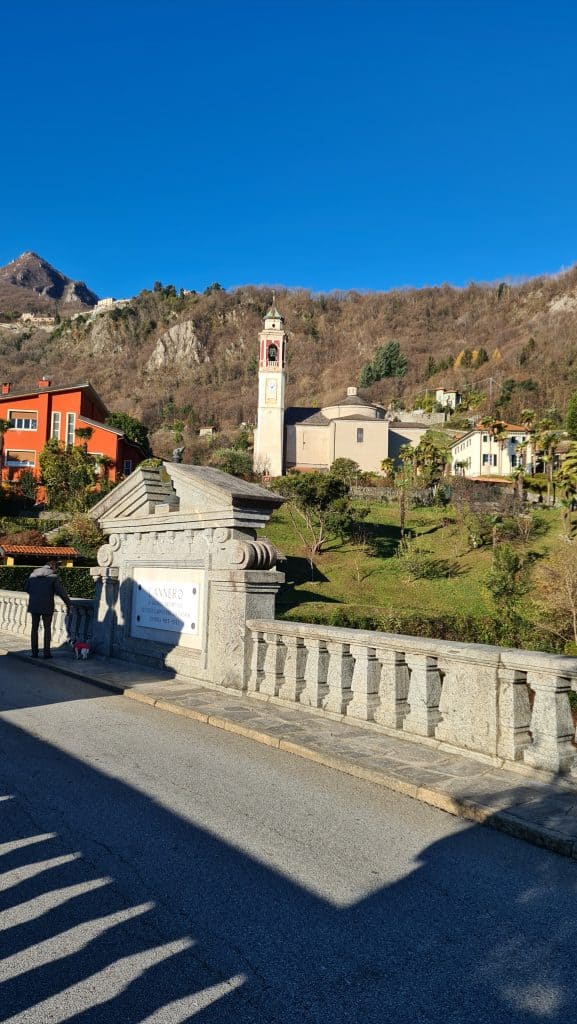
329, 145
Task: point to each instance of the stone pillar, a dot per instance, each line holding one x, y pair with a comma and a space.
257, 657
424, 695
294, 668
394, 689
514, 714
339, 677
235, 596
365, 683
317, 665
273, 669
551, 724
106, 608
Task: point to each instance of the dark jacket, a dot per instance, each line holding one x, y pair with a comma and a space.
41, 586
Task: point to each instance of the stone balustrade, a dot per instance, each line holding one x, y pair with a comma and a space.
507, 706
14, 618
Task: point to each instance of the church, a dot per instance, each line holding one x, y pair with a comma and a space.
312, 439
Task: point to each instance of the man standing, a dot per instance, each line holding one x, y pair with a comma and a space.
41, 586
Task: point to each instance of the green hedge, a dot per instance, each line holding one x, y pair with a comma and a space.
15, 524
77, 581
470, 629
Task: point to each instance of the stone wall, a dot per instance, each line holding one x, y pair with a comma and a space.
503, 706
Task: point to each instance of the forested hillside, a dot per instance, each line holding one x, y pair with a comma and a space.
191, 359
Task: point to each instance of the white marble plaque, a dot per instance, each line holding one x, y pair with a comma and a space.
167, 605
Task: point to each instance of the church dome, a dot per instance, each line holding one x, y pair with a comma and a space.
352, 407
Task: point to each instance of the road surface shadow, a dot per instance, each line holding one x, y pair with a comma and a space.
188, 927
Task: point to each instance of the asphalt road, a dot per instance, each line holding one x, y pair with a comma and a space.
157, 870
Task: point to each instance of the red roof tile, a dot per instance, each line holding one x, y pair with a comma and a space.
38, 549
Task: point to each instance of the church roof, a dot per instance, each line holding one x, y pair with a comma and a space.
273, 312
354, 400
359, 416
302, 414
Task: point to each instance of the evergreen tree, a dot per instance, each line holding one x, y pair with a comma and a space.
367, 376
132, 428
431, 367
67, 475
571, 418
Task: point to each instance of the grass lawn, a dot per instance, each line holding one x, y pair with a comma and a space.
350, 575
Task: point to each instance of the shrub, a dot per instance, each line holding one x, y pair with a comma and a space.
418, 564
472, 629
76, 581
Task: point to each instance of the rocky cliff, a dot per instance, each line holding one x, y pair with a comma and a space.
30, 282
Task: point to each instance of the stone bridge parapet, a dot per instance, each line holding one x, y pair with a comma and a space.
507, 706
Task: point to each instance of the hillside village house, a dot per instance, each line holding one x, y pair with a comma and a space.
312, 439
37, 414
478, 453
448, 398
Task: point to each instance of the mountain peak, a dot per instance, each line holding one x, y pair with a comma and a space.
31, 272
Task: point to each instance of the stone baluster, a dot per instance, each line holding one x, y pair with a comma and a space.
3, 614
60, 633
86, 621
551, 723
365, 683
424, 695
394, 689
294, 668
513, 727
17, 616
258, 655
77, 625
273, 668
9, 623
316, 670
339, 677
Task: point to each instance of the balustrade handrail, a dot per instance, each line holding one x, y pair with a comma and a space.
504, 704
77, 601
510, 657
14, 617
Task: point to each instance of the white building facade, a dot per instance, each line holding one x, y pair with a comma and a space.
479, 453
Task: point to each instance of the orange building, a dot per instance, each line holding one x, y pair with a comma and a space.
37, 414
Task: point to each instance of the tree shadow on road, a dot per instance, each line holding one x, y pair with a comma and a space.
187, 927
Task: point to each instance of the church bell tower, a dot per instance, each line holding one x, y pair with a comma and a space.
269, 436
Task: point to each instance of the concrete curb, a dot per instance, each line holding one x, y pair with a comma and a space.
502, 821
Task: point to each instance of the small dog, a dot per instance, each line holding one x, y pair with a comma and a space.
81, 650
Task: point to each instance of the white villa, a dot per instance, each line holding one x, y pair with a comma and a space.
477, 453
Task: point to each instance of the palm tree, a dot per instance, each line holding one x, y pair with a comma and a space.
527, 418
567, 477
486, 424
388, 467
546, 441
497, 432
519, 471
